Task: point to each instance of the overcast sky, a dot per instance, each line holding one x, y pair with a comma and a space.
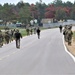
30, 1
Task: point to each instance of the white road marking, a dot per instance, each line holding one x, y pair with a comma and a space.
15, 51
8, 55
67, 50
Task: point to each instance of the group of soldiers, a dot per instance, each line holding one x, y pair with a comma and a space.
9, 35
34, 30
31, 30
67, 32
6, 36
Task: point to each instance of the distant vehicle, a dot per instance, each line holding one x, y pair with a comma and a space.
18, 24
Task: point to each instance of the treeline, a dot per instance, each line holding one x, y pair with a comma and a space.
24, 12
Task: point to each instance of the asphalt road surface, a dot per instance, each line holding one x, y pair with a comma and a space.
44, 56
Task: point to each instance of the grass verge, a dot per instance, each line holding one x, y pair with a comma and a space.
71, 48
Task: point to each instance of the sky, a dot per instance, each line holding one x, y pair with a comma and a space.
30, 1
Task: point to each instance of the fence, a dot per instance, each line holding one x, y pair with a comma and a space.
51, 25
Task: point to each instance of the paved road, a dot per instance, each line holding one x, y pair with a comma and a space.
45, 56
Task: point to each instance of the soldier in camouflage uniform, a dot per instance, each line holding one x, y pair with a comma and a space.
7, 37
65, 33
31, 31
1, 39
35, 30
27, 30
69, 35
11, 35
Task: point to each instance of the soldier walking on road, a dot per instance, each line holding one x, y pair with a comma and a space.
65, 33
27, 30
31, 31
1, 39
60, 27
7, 37
38, 33
34, 30
11, 35
17, 38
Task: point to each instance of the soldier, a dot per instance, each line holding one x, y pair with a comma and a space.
7, 37
11, 35
1, 39
17, 38
31, 31
65, 33
34, 30
27, 30
69, 35
14, 32
38, 33
70, 26
60, 27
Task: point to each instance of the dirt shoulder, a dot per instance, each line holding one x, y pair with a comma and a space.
71, 48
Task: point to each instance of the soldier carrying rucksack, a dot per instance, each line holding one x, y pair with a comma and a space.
69, 36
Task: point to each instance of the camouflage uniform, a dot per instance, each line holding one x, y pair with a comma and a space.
1, 39
69, 36
11, 35
31, 30
27, 30
34, 30
7, 37
65, 31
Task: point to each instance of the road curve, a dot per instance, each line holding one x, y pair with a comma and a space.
44, 56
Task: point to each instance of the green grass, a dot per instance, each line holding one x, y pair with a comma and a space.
23, 32
1, 27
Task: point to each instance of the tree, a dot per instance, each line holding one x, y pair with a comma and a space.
24, 14
72, 15
57, 3
41, 11
6, 13
60, 15
20, 4
69, 4
50, 11
34, 11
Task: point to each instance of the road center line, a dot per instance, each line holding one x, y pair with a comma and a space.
8, 55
